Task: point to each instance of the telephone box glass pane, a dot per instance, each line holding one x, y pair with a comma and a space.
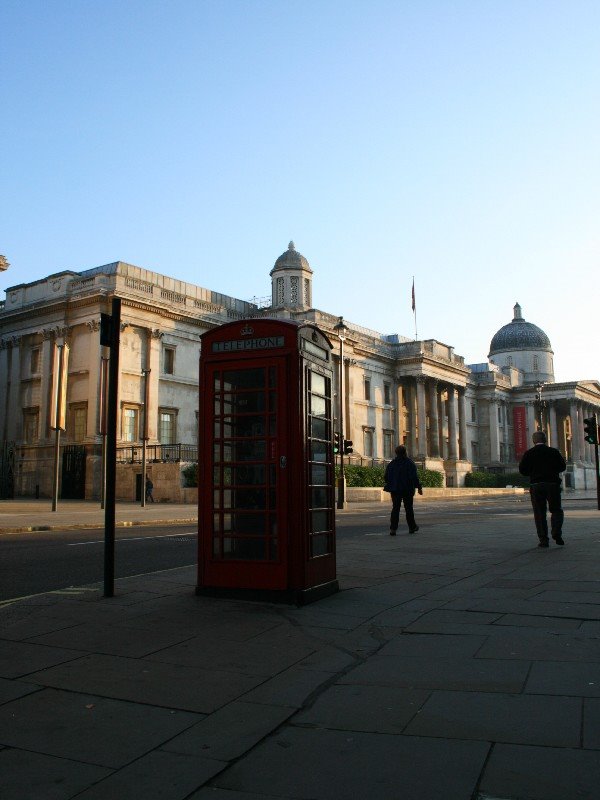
319, 497
318, 474
247, 529
319, 451
319, 428
320, 545
319, 521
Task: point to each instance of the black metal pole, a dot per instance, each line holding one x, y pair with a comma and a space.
111, 451
597, 476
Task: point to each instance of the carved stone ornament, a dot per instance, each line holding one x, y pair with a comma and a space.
4, 263
156, 334
93, 324
56, 284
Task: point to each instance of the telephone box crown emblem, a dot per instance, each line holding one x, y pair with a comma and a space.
247, 330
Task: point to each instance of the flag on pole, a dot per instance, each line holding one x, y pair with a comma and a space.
413, 296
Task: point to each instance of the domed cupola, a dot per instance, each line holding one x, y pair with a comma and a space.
291, 281
523, 345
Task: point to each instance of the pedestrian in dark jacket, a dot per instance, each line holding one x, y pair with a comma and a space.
543, 465
401, 480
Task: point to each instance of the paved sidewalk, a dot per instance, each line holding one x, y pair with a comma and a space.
461, 663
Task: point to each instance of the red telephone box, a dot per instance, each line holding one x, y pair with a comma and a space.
266, 519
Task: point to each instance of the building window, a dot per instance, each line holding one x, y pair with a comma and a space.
34, 364
169, 360
509, 361
79, 422
367, 388
536, 363
499, 413
388, 444
130, 424
368, 442
306, 292
280, 292
167, 426
475, 452
31, 420
387, 394
473, 412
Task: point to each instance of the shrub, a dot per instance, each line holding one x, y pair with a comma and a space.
190, 475
495, 480
431, 478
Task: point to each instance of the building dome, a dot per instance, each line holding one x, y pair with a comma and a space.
291, 259
519, 335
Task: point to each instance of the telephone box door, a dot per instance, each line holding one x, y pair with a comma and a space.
248, 430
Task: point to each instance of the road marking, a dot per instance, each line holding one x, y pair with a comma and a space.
135, 539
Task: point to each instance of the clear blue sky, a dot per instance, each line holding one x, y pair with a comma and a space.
458, 142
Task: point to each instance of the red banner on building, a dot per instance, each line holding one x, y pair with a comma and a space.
520, 427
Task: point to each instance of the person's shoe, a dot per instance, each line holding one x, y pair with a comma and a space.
392, 533
414, 530
559, 539
544, 543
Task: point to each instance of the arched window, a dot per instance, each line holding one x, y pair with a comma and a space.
509, 361
536, 363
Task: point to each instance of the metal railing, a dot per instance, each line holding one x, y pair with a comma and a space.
157, 453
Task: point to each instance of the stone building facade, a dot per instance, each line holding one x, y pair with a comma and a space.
453, 417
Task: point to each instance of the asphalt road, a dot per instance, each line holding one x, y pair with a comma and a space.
36, 562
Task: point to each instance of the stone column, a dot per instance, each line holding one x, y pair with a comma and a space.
531, 426
399, 413
462, 425
95, 351
452, 431
575, 441
442, 426
421, 417
434, 420
3, 389
14, 427
494, 431
46, 383
553, 424
154, 348
412, 418
580, 432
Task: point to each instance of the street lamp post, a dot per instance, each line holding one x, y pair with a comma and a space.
341, 329
145, 373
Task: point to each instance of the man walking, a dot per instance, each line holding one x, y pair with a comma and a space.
401, 480
543, 465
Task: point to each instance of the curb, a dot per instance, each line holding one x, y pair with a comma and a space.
97, 525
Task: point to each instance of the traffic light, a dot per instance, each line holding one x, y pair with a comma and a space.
590, 430
336, 443
348, 447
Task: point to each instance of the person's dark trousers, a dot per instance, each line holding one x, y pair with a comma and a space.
397, 499
547, 495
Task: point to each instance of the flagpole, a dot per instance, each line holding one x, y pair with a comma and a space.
414, 308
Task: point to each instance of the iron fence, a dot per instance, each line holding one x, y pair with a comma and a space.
156, 453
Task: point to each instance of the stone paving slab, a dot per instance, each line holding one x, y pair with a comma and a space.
363, 708
516, 719
32, 776
484, 675
424, 646
291, 688
156, 776
264, 656
338, 765
10, 690
541, 646
541, 773
21, 658
112, 639
95, 730
230, 731
564, 678
591, 724
143, 681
